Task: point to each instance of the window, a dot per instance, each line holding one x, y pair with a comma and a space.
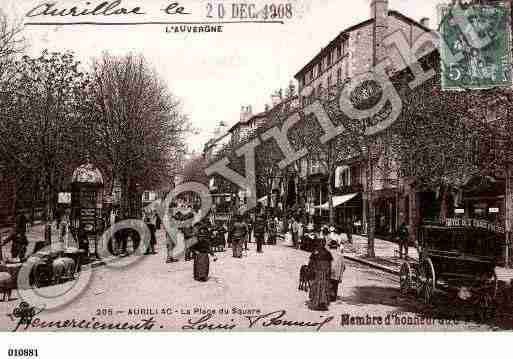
339, 52
343, 177
308, 76
339, 75
344, 48
329, 81
322, 65
319, 90
328, 59
146, 196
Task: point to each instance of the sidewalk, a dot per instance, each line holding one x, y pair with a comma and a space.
387, 254
387, 257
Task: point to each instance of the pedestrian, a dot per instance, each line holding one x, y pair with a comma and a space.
337, 270
260, 229
324, 233
19, 238
220, 237
247, 237
237, 234
320, 269
112, 217
333, 239
188, 235
403, 240
201, 251
172, 237
153, 239
158, 221
349, 231
273, 231
300, 233
251, 223
295, 232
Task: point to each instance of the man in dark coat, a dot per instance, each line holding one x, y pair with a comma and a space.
153, 237
259, 230
403, 235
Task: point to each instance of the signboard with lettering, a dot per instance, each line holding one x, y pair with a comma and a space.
475, 49
475, 223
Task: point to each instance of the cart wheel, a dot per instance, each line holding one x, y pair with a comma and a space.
405, 278
426, 281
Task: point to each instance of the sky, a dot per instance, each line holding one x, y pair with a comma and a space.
213, 74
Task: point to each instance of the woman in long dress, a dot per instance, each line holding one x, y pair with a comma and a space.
237, 235
201, 252
320, 268
337, 271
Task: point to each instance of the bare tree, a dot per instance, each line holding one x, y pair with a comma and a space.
138, 128
12, 44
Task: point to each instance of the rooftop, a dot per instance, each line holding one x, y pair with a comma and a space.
345, 34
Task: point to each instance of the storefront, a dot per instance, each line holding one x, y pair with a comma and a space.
483, 198
386, 212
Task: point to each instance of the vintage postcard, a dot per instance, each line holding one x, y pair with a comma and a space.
267, 166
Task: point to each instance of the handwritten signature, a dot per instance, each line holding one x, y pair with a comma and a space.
105, 8
276, 319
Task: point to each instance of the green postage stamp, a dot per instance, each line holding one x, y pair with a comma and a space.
475, 46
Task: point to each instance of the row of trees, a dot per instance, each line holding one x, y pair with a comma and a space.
57, 113
440, 140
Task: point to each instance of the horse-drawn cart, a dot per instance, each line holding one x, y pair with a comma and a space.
459, 256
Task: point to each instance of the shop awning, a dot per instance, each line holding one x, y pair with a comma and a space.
338, 200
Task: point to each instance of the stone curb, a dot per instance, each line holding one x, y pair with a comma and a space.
373, 265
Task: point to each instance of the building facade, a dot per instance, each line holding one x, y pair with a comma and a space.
354, 52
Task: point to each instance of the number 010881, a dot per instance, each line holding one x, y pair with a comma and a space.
22, 353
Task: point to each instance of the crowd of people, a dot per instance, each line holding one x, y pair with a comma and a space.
204, 238
207, 237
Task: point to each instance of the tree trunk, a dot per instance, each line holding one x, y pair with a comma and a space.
372, 216
330, 201
125, 196
508, 215
48, 210
444, 209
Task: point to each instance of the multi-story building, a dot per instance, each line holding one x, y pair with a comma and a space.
353, 52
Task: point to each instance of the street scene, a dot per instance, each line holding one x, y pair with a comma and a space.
364, 291
370, 190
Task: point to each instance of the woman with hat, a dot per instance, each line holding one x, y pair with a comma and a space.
320, 268
201, 250
337, 270
237, 234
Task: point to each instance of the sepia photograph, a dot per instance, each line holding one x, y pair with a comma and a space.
214, 166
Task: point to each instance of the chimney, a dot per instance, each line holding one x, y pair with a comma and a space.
425, 22
245, 113
275, 99
379, 12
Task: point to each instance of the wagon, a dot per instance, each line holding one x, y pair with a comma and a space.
459, 257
